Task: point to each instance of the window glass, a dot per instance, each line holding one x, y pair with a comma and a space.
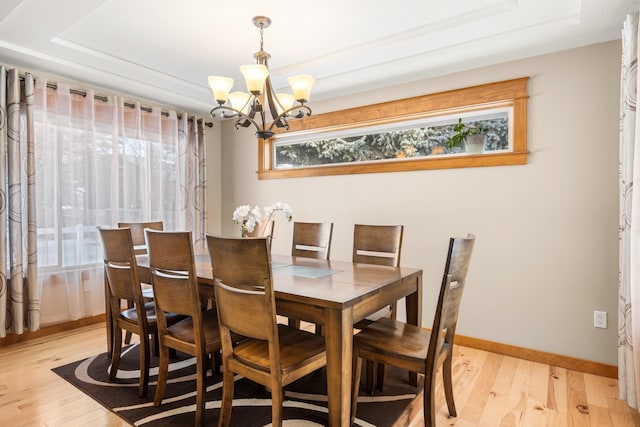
98, 163
403, 140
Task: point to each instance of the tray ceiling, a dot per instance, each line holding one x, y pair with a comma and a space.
163, 50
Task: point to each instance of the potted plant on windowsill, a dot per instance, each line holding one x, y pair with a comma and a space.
472, 137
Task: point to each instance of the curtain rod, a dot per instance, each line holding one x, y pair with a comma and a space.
54, 86
105, 99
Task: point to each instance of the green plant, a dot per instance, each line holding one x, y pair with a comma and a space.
461, 131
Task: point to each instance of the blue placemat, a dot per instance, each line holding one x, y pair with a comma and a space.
309, 272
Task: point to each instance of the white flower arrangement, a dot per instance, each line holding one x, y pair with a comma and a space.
249, 216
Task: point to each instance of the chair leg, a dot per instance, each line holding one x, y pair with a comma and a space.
163, 373
155, 350
227, 398
144, 366
127, 335
277, 397
428, 397
448, 384
356, 371
294, 323
201, 387
217, 362
115, 355
381, 372
371, 368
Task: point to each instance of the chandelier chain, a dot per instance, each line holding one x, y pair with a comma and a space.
261, 37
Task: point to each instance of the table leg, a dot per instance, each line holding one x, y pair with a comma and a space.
339, 343
414, 303
414, 316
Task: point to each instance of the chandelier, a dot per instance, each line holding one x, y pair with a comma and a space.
261, 107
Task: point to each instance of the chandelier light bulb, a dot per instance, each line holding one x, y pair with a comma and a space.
285, 101
240, 101
255, 75
301, 86
220, 86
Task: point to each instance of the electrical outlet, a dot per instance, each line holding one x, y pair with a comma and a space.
600, 319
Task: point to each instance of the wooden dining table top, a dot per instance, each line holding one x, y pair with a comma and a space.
335, 294
331, 284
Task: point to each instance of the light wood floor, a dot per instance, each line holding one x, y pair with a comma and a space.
490, 390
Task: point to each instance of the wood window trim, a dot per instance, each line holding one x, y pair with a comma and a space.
506, 93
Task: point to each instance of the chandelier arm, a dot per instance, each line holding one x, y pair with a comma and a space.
223, 108
272, 100
237, 113
300, 112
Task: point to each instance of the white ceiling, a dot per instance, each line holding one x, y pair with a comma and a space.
163, 50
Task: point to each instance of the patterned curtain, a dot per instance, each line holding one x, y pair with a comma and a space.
20, 295
191, 130
629, 279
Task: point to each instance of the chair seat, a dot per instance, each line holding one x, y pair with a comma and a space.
296, 346
183, 330
131, 316
398, 339
383, 312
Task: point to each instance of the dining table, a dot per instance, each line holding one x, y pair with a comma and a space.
334, 294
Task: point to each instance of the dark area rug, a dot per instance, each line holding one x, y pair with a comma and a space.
305, 400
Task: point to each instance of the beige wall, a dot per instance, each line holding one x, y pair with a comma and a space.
547, 242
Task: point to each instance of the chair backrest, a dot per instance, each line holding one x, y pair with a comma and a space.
312, 239
244, 292
137, 233
120, 266
377, 244
173, 273
448, 308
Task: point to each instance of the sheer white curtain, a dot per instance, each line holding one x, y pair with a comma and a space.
629, 282
100, 162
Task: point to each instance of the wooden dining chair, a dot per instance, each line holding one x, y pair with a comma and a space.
175, 286
139, 247
419, 350
137, 233
379, 245
273, 355
121, 275
311, 240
